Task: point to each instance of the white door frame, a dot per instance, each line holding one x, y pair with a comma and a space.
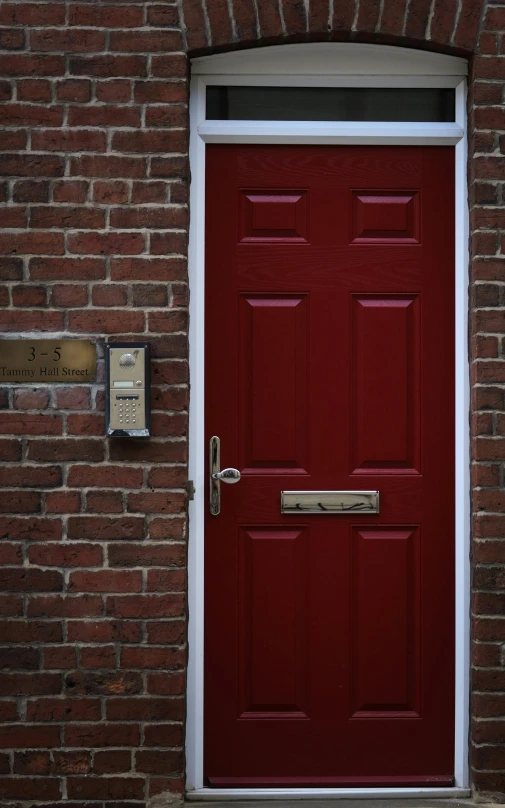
324, 64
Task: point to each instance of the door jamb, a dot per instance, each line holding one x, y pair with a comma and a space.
225, 69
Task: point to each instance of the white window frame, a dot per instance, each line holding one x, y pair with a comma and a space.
324, 65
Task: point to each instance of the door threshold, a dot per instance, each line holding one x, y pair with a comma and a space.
212, 794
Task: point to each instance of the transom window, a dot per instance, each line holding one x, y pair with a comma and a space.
259, 103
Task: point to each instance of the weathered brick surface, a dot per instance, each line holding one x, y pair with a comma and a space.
93, 195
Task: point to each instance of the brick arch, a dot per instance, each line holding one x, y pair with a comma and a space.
444, 25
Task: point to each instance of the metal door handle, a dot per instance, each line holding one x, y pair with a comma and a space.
229, 476
216, 476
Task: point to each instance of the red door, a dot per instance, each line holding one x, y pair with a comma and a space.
329, 638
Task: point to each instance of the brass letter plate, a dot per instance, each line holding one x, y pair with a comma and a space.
329, 502
60, 361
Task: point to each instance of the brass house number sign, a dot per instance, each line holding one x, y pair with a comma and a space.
47, 360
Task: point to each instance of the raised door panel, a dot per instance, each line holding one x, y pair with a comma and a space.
273, 381
273, 598
385, 622
385, 371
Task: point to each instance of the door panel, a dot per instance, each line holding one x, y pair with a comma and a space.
385, 378
329, 639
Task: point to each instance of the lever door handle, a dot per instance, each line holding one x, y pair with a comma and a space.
229, 476
217, 476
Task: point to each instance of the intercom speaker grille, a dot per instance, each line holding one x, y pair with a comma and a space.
127, 360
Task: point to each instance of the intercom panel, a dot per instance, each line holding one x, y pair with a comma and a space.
128, 389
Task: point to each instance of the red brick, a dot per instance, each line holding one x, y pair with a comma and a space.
20, 658
118, 760
32, 763
72, 398
31, 14
67, 40
19, 502
103, 683
160, 785
10, 555
28, 296
66, 449
166, 580
98, 656
107, 244
195, 25
163, 243
164, 734
70, 554
31, 115
28, 788
110, 193
108, 321
105, 788
36, 320
69, 606
109, 295
21, 631
468, 24
33, 90
154, 502
69, 295
108, 166
67, 269
21, 64
10, 606
34, 243
113, 476
171, 65
31, 165
35, 528
14, 139
70, 191
173, 529
30, 684
150, 295
145, 709
106, 17
103, 115
108, 66
145, 606
77, 90
166, 684
88, 424
104, 631
160, 92
63, 217
71, 762
104, 502
34, 736
118, 92
168, 632
11, 269
63, 502
30, 580
145, 41
146, 141
102, 735
153, 269
36, 399
77, 140
60, 657
105, 528
162, 762
12, 39
167, 321
105, 581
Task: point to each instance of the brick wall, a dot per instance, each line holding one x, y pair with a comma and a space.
94, 217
